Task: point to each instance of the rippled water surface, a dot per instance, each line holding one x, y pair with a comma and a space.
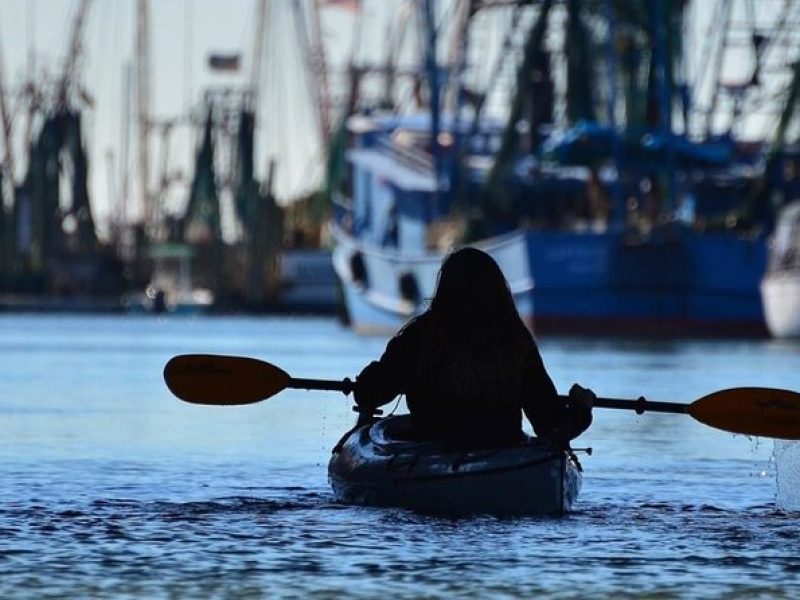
110, 487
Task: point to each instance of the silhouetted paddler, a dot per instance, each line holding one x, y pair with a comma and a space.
469, 367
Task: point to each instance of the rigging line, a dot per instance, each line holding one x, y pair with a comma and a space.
355, 46
282, 105
782, 29
293, 122
710, 39
718, 69
187, 56
758, 103
267, 99
494, 76
313, 163
407, 99
31, 41
773, 42
310, 78
777, 42
65, 33
394, 45
446, 19
102, 68
283, 147
307, 142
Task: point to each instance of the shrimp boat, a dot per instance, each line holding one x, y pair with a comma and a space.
378, 464
627, 216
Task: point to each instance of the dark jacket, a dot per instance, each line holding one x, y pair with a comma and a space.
488, 411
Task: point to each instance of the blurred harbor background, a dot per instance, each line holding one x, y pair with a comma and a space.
140, 169
320, 156
197, 176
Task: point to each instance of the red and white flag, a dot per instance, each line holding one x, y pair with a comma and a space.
352, 5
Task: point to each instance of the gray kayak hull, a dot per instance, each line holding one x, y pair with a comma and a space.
374, 466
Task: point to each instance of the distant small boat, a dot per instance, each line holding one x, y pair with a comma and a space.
158, 300
780, 286
379, 465
171, 289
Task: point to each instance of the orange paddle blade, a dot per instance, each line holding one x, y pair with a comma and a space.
764, 412
223, 380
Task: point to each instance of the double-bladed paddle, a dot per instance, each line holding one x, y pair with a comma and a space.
231, 380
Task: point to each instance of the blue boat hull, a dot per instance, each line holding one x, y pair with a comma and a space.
686, 284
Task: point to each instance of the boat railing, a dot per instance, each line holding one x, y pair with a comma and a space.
414, 158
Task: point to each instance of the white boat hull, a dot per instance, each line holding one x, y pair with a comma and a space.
780, 294
392, 286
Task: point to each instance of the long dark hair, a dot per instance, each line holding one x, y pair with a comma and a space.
477, 342
472, 292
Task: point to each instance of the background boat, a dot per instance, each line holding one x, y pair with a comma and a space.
171, 289
221, 207
639, 215
384, 287
780, 287
642, 154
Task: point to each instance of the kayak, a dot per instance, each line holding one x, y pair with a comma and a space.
378, 464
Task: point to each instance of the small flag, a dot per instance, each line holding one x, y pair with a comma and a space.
352, 5
223, 62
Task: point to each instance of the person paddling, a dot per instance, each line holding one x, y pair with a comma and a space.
469, 367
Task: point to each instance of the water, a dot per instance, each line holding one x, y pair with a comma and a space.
787, 474
110, 487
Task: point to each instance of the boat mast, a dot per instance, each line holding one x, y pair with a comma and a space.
320, 66
664, 90
723, 19
143, 109
493, 193
69, 92
315, 60
258, 51
395, 38
73, 53
432, 70
125, 143
8, 158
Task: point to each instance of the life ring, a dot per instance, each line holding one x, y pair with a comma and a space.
409, 289
358, 269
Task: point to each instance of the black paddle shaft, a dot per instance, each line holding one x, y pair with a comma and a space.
345, 386
641, 405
